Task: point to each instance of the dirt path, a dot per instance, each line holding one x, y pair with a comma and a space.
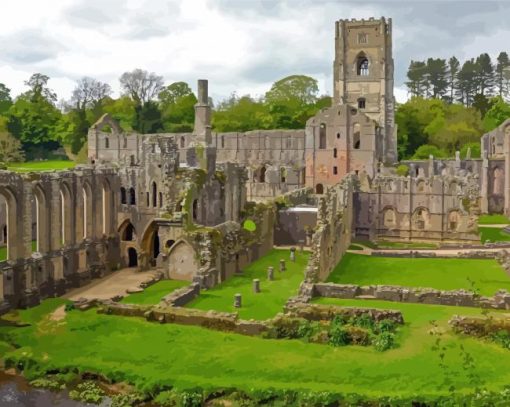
114, 284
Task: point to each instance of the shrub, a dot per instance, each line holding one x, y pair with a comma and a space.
384, 341
502, 337
87, 392
358, 336
385, 325
50, 384
338, 335
364, 321
126, 400
402, 170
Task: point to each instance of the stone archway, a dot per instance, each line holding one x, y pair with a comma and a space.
10, 229
182, 262
150, 244
132, 257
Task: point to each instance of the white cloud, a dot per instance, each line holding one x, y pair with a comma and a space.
238, 45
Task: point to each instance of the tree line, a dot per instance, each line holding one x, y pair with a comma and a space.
34, 125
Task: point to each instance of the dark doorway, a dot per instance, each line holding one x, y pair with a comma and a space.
155, 245
319, 189
132, 257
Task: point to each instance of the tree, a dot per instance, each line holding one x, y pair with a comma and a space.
39, 89
123, 110
484, 74
10, 148
417, 74
502, 65
300, 88
5, 98
180, 116
497, 114
141, 85
453, 65
436, 74
425, 151
89, 92
481, 103
467, 82
148, 118
173, 92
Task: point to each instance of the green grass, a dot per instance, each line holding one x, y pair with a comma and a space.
495, 219
355, 247
49, 165
446, 274
493, 234
3, 253
405, 245
273, 295
153, 294
152, 355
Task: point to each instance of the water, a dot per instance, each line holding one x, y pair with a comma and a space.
15, 392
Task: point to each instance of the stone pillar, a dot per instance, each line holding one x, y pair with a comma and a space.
292, 254
27, 220
56, 216
431, 165
282, 265
1, 288
484, 190
256, 285
270, 273
237, 300
506, 150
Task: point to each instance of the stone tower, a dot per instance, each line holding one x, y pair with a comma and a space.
363, 75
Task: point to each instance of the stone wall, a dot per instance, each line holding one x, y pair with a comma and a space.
463, 298
182, 296
333, 232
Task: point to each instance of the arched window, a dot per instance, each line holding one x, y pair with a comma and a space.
106, 143
262, 174
498, 181
389, 218
322, 136
337, 135
147, 195
178, 206
128, 234
453, 188
123, 199
222, 141
356, 137
361, 103
283, 174
160, 199
420, 186
125, 142
453, 220
335, 153
362, 66
132, 196
182, 141
420, 218
319, 189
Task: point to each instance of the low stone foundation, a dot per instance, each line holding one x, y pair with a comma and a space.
479, 326
462, 298
477, 254
182, 296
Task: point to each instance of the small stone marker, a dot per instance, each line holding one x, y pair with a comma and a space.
282, 265
292, 254
256, 285
270, 273
237, 300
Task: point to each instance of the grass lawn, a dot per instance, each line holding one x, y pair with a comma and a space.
49, 165
3, 253
496, 219
149, 355
273, 295
446, 274
493, 234
153, 294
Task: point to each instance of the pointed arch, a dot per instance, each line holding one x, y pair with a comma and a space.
86, 193
42, 237
10, 230
66, 214
107, 202
182, 261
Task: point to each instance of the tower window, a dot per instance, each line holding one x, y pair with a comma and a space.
363, 66
106, 143
182, 141
335, 170
338, 135
361, 103
335, 153
362, 38
322, 136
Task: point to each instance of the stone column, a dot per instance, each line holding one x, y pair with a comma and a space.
56, 216
484, 190
292, 254
237, 300
256, 285
1, 287
270, 273
282, 265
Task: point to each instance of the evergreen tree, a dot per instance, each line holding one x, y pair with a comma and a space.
417, 74
466, 82
502, 66
484, 74
454, 67
437, 72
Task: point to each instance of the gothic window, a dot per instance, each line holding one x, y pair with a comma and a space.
356, 137
106, 143
420, 218
361, 103
421, 186
498, 182
182, 141
335, 170
453, 220
335, 153
222, 141
363, 66
125, 142
322, 136
337, 135
389, 218
123, 199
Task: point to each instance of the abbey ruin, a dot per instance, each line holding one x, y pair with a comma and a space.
179, 202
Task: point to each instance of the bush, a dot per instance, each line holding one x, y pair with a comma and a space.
126, 400
402, 170
87, 392
384, 341
358, 336
50, 384
364, 321
385, 325
423, 152
338, 335
502, 337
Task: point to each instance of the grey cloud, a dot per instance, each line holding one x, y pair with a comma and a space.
95, 13
28, 47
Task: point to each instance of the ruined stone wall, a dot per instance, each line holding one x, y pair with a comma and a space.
75, 237
418, 208
333, 232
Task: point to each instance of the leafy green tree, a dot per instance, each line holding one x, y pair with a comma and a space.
5, 99
474, 149
497, 114
38, 88
503, 64
177, 104
291, 89
242, 114
123, 110
425, 151
171, 94
10, 148
148, 118
481, 103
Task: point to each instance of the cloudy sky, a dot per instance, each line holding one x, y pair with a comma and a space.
239, 45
